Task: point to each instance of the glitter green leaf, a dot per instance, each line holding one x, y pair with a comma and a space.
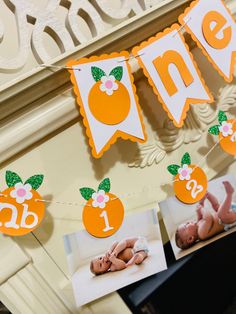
214, 130
173, 169
12, 178
97, 73
87, 193
222, 117
105, 185
186, 159
117, 73
35, 181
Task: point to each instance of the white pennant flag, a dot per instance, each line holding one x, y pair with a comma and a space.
108, 100
172, 72
214, 29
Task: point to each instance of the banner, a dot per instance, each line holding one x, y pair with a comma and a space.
104, 85
108, 101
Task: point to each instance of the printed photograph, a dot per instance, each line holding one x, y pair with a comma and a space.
190, 227
99, 266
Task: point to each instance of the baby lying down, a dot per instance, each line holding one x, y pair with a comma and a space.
122, 254
208, 224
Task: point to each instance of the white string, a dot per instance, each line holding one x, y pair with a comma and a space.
58, 67
181, 27
131, 57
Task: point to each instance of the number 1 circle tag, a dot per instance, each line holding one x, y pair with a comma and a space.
226, 130
190, 182
103, 213
21, 206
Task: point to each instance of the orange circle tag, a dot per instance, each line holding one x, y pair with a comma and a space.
190, 185
103, 214
20, 213
227, 136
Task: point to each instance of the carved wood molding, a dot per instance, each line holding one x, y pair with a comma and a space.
28, 86
26, 285
169, 138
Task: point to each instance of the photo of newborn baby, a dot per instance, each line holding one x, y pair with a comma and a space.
122, 254
191, 227
208, 224
99, 266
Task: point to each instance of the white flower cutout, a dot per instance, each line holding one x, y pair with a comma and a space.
185, 173
108, 84
21, 192
100, 199
226, 128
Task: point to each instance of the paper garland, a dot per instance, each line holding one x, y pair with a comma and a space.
104, 85
21, 208
103, 213
172, 72
108, 101
190, 181
226, 130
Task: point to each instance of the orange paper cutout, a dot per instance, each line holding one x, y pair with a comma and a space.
193, 190
24, 217
116, 106
211, 60
103, 222
122, 114
210, 34
228, 143
188, 101
162, 64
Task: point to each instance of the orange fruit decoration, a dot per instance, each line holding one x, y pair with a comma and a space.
103, 213
21, 208
226, 130
190, 182
109, 99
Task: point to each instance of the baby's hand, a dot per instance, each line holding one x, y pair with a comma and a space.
107, 255
112, 257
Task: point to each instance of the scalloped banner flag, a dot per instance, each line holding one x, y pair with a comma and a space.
107, 99
172, 72
213, 27
21, 206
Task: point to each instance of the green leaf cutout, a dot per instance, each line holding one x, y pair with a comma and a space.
35, 181
97, 73
173, 169
222, 117
214, 130
87, 193
105, 185
12, 178
117, 73
186, 159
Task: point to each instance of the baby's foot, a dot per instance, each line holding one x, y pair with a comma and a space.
203, 199
228, 187
132, 261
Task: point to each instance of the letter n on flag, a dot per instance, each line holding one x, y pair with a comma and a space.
173, 74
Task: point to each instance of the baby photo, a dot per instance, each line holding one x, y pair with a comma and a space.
191, 227
99, 266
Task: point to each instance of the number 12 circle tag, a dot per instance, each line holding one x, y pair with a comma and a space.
103, 213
